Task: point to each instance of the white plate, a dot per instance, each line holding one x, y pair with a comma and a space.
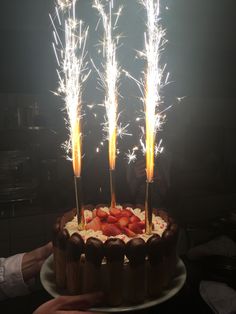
48, 281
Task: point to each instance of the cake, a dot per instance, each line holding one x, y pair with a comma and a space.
114, 254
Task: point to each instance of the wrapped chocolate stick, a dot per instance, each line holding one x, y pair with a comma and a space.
74, 249
155, 267
94, 253
136, 253
114, 252
170, 238
60, 263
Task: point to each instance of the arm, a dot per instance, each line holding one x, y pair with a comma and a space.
11, 278
18, 270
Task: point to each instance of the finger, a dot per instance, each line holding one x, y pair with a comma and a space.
46, 250
80, 302
41, 253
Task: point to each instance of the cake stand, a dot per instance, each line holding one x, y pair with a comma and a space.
48, 281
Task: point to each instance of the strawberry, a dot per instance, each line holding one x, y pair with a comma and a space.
115, 212
112, 219
88, 219
134, 218
128, 232
94, 212
123, 222
126, 213
102, 225
141, 224
135, 228
110, 230
101, 213
94, 224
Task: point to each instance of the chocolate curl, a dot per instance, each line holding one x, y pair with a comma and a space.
94, 253
114, 252
155, 249
155, 269
170, 238
136, 253
60, 263
75, 247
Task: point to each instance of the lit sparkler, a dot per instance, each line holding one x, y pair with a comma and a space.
154, 118
109, 79
72, 74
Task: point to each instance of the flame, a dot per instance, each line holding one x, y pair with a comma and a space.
150, 141
112, 148
112, 130
76, 148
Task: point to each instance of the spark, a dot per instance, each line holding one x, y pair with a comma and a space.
143, 146
159, 148
179, 99
72, 73
123, 130
64, 4
131, 155
91, 106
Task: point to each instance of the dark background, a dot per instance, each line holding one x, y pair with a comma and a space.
36, 181
197, 169
200, 53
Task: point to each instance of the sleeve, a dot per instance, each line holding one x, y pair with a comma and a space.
11, 279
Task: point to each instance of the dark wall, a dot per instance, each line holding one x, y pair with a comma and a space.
200, 52
200, 56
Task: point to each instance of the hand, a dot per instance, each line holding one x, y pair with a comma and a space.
70, 304
32, 261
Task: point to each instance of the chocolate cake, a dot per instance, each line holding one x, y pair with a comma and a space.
114, 254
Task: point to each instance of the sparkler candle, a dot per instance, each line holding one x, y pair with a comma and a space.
72, 74
154, 41
109, 78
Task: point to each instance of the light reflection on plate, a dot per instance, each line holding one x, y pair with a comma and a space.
48, 281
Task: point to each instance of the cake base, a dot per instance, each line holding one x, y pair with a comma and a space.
114, 254
47, 278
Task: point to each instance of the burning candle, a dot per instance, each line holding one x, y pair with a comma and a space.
109, 78
76, 159
112, 164
72, 74
154, 41
76, 149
